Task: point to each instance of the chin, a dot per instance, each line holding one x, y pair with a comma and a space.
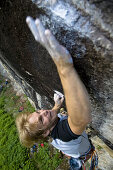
53, 114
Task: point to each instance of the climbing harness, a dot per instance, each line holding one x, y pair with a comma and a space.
94, 159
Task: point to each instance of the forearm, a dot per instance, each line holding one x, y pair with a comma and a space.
76, 96
56, 108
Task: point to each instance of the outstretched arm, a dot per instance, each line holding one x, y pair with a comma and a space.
77, 100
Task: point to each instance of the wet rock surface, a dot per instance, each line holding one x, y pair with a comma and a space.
85, 28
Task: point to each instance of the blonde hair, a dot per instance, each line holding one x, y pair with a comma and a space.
28, 133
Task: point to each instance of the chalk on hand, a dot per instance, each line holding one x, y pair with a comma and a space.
59, 93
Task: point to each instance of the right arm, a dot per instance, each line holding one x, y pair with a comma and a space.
77, 100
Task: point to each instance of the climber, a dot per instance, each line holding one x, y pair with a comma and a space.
67, 132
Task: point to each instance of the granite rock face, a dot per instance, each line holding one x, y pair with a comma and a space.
85, 28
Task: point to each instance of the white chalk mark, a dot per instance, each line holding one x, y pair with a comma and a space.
28, 73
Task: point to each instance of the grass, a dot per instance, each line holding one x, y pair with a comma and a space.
14, 156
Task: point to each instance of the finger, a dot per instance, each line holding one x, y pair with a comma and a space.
51, 39
33, 28
41, 31
62, 99
53, 2
55, 97
59, 93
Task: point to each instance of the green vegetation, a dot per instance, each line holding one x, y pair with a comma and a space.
99, 147
13, 156
46, 159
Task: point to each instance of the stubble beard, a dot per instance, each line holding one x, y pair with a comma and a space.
53, 123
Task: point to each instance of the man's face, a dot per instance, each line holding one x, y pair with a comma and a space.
44, 118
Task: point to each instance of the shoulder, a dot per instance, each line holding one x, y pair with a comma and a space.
62, 131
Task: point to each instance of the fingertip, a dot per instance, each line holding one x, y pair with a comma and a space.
36, 38
28, 18
47, 32
37, 21
62, 99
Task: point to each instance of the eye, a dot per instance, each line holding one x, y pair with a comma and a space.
41, 119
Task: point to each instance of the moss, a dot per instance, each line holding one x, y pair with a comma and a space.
14, 156
29, 107
99, 147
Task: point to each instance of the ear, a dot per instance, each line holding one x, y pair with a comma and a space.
46, 133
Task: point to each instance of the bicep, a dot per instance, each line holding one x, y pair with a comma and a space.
76, 128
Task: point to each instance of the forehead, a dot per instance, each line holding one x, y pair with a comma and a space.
33, 117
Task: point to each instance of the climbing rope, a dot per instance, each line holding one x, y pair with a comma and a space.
94, 159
